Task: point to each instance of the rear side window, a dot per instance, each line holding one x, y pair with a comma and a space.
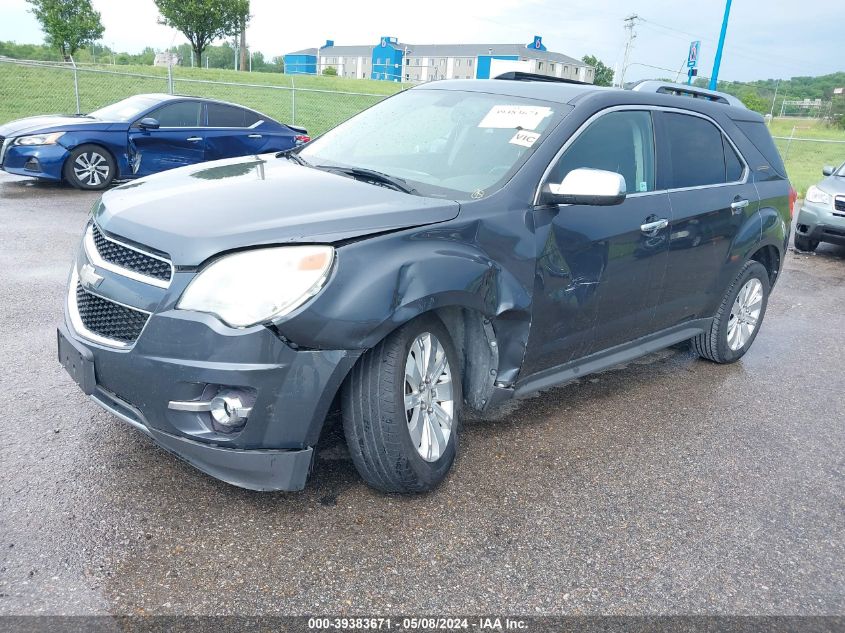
220, 115
698, 155
251, 118
182, 114
622, 142
733, 165
759, 136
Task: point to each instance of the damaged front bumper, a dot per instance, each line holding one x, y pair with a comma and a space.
182, 357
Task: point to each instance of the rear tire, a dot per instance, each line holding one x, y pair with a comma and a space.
738, 318
805, 244
395, 448
90, 167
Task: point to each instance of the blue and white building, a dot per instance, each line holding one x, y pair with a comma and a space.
392, 60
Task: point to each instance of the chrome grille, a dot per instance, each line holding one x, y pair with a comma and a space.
839, 203
126, 260
108, 319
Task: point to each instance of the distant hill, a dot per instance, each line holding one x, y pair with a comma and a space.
758, 95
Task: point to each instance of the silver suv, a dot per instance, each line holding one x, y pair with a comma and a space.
822, 216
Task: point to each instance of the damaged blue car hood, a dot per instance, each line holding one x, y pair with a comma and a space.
193, 213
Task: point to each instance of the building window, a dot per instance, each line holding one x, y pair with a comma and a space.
539, 65
457, 63
565, 70
469, 62
551, 67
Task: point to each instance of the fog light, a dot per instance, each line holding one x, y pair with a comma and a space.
229, 410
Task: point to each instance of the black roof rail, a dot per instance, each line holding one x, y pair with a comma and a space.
516, 75
684, 90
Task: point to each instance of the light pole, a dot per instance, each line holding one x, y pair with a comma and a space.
714, 78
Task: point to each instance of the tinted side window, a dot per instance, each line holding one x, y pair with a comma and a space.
622, 142
251, 118
220, 115
698, 156
733, 165
183, 114
758, 134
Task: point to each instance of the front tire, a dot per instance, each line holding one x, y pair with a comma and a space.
401, 408
738, 318
90, 167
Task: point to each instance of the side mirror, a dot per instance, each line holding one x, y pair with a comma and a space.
828, 170
594, 187
148, 123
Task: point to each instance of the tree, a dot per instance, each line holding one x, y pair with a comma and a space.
330, 71
203, 21
68, 24
603, 74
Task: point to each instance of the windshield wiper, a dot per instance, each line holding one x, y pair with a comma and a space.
380, 178
290, 154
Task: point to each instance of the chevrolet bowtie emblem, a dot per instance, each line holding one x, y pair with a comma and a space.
89, 277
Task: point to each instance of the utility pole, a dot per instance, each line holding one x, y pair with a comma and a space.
714, 79
243, 44
772, 111
630, 23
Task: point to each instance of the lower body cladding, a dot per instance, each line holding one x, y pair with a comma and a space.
248, 413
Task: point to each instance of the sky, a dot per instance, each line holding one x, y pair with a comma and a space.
765, 39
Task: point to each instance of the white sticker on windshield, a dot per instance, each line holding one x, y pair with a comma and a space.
515, 116
525, 138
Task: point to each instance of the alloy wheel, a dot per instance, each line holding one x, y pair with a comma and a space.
91, 168
745, 314
429, 405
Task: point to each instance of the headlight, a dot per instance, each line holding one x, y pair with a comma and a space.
259, 285
39, 139
817, 196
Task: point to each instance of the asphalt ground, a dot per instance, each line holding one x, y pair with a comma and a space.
670, 485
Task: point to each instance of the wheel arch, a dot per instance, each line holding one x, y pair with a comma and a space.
101, 146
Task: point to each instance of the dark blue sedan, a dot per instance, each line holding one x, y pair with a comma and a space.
138, 136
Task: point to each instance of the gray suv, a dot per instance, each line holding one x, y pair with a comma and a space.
455, 246
822, 216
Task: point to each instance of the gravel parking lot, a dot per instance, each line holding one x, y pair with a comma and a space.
670, 485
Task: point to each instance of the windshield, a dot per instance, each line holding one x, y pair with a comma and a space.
126, 110
841, 171
442, 143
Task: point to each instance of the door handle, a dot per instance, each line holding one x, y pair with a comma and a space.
194, 139
254, 136
738, 205
653, 227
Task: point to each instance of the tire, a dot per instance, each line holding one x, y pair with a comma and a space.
378, 427
723, 343
805, 244
90, 167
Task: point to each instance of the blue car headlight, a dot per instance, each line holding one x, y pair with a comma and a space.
39, 139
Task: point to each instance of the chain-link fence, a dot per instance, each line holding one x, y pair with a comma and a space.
30, 88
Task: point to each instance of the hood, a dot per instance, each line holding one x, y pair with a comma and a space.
50, 123
834, 185
193, 213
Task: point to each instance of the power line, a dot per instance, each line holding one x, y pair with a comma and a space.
736, 49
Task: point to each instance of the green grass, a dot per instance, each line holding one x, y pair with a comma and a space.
804, 159
25, 91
